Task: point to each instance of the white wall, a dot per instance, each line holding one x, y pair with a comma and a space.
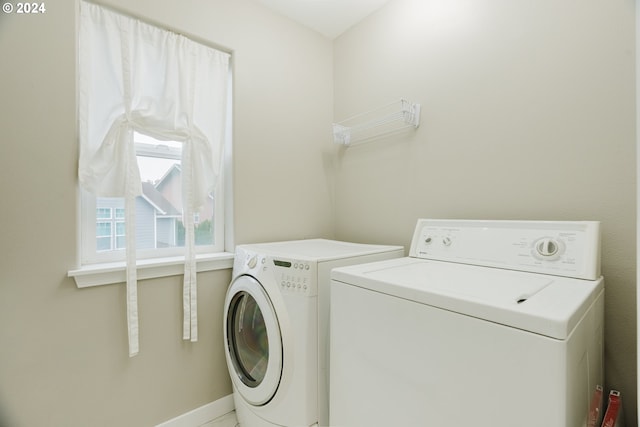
63, 350
527, 113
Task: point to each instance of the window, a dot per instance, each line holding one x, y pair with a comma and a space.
103, 236
109, 227
148, 96
159, 212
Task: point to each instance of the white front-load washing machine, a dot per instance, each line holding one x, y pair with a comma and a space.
486, 323
276, 321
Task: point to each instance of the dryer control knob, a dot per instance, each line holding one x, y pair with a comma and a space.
446, 241
253, 261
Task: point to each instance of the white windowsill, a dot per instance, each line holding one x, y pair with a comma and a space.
115, 272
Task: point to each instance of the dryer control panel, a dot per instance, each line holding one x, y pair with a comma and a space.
562, 248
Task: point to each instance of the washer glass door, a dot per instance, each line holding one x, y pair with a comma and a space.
253, 340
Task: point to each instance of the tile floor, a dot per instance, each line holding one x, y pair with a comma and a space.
228, 420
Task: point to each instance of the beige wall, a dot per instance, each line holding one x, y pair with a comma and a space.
63, 350
527, 113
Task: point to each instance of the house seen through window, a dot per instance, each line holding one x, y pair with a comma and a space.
159, 213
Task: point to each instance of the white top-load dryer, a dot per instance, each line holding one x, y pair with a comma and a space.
486, 323
276, 320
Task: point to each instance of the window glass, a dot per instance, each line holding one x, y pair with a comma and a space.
120, 235
159, 221
103, 213
103, 236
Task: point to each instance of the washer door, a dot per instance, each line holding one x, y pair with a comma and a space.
254, 342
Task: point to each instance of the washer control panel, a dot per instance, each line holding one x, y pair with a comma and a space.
563, 248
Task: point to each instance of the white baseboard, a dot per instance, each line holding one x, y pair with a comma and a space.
203, 414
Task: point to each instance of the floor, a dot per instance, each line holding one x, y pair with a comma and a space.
228, 420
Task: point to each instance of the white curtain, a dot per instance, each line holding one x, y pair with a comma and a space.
137, 77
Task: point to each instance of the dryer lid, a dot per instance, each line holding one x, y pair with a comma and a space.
542, 304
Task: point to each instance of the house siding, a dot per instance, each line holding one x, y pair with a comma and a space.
145, 227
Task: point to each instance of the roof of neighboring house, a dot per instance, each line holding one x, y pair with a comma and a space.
175, 168
158, 201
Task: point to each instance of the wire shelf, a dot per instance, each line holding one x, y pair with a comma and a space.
391, 118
